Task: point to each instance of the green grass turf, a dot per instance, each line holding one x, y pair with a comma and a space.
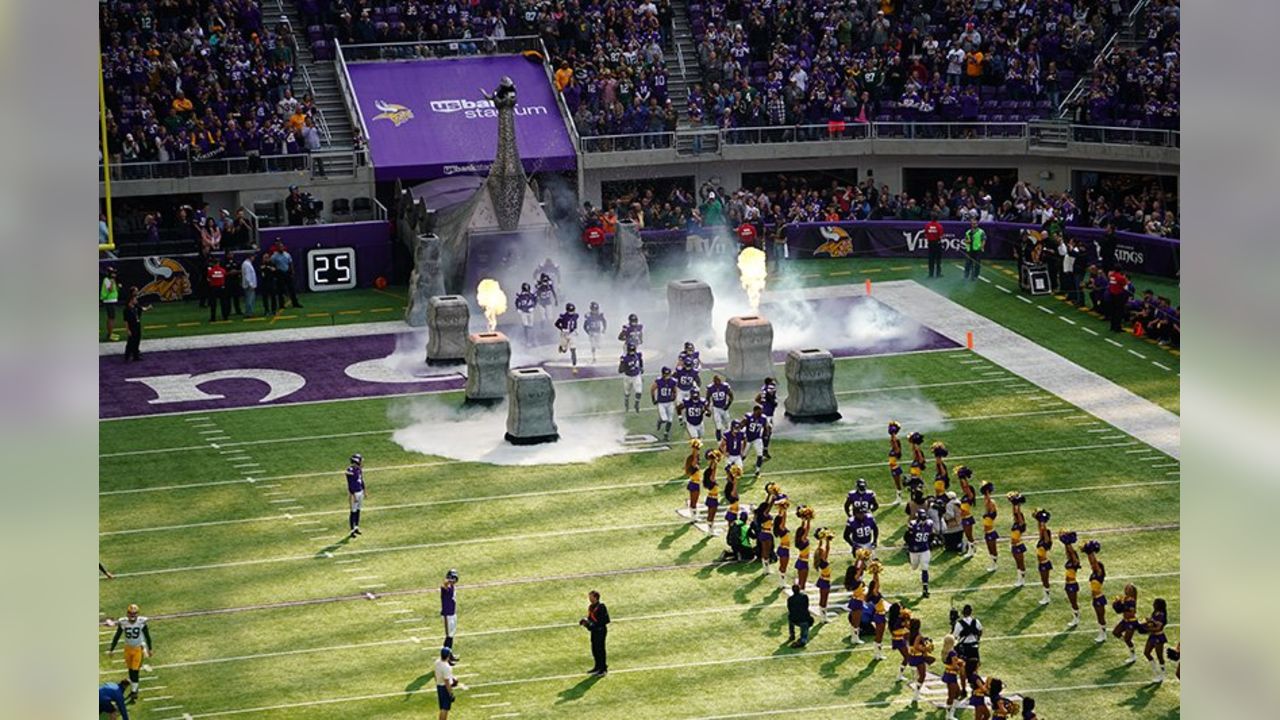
690, 639
186, 318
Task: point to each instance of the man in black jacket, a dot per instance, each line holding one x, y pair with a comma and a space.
597, 623
798, 616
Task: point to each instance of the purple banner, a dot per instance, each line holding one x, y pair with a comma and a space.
893, 238
429, 118
177, 277
371, 240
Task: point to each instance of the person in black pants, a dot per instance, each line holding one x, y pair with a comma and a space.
133, 321
216, 277
597, 623
267, 285
234, 288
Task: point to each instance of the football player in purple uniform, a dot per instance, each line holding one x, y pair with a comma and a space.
449, 610
919, 535
567, 324
547, 298
631, 367
663, 394
355, 492
526, 301
767, 399
720, 395
861, 532
689, 356
633, 332
686, 379
860, 498
594, 325
756, 425
693, 410
734, 444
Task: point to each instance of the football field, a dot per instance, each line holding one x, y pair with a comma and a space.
228, 528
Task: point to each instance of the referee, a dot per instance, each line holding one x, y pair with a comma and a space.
968, 634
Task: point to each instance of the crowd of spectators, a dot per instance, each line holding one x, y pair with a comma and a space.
1138, 87
793, 62
144, 226
797, 199
196, 80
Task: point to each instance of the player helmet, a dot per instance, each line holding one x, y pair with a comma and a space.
915, 438
921, 514
632, 318
524, 287
568, 307
693, 392
666, 371
688, 346
451, 575
544, 278
594, 306
894, 427
716, 380
357, 458
132, 610
631, 347
735, 425
756, 409
862, 484
687, 362
770, 383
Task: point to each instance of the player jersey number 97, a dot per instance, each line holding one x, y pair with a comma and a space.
331, 269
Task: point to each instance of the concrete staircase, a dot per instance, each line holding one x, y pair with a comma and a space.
681, 82
323, 84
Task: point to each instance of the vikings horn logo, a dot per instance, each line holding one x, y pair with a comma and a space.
168, 279
397, 114
836, 242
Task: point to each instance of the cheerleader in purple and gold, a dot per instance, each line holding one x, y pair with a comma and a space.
1017, 547
1097, 576
952, 675
1044, 543
782, 539
876, 605
693, 471
733, 473
917, 457
978, 697
709, 485
1070, 568
857, 595
1001, 706
764, 535
899, 628
823, 562
1126, 605
941, 476
919, 655
968, 500
803, 545
989, 513
895, 459
1154, 628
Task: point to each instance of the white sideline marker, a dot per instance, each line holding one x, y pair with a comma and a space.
1091, 332
1004, 289
1024, 300
1042, 308
1138, 354
1113, 342
1066, 320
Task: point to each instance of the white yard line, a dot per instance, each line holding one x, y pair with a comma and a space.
666, 668
1066, 320
1162, 367
1024, 300
1078, 386
1090, 331
297, 476
1137, 354
1042, 308
1113, 342
585, 489
1004, 289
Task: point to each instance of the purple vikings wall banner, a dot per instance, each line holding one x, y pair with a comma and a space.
429, 118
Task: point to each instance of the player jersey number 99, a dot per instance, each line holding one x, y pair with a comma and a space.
331, 269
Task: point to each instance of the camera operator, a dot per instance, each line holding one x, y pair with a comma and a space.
967, 630
301, 208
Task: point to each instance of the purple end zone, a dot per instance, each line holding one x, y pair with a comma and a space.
317, 370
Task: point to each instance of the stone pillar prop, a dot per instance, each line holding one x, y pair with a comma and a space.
447, 319
811, 395
689, 304
531, 400
749, 339
631, 268
506, 181
488, 360
426, 279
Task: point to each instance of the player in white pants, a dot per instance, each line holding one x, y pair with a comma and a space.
919, 536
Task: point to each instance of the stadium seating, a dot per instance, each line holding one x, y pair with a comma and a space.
195, 81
